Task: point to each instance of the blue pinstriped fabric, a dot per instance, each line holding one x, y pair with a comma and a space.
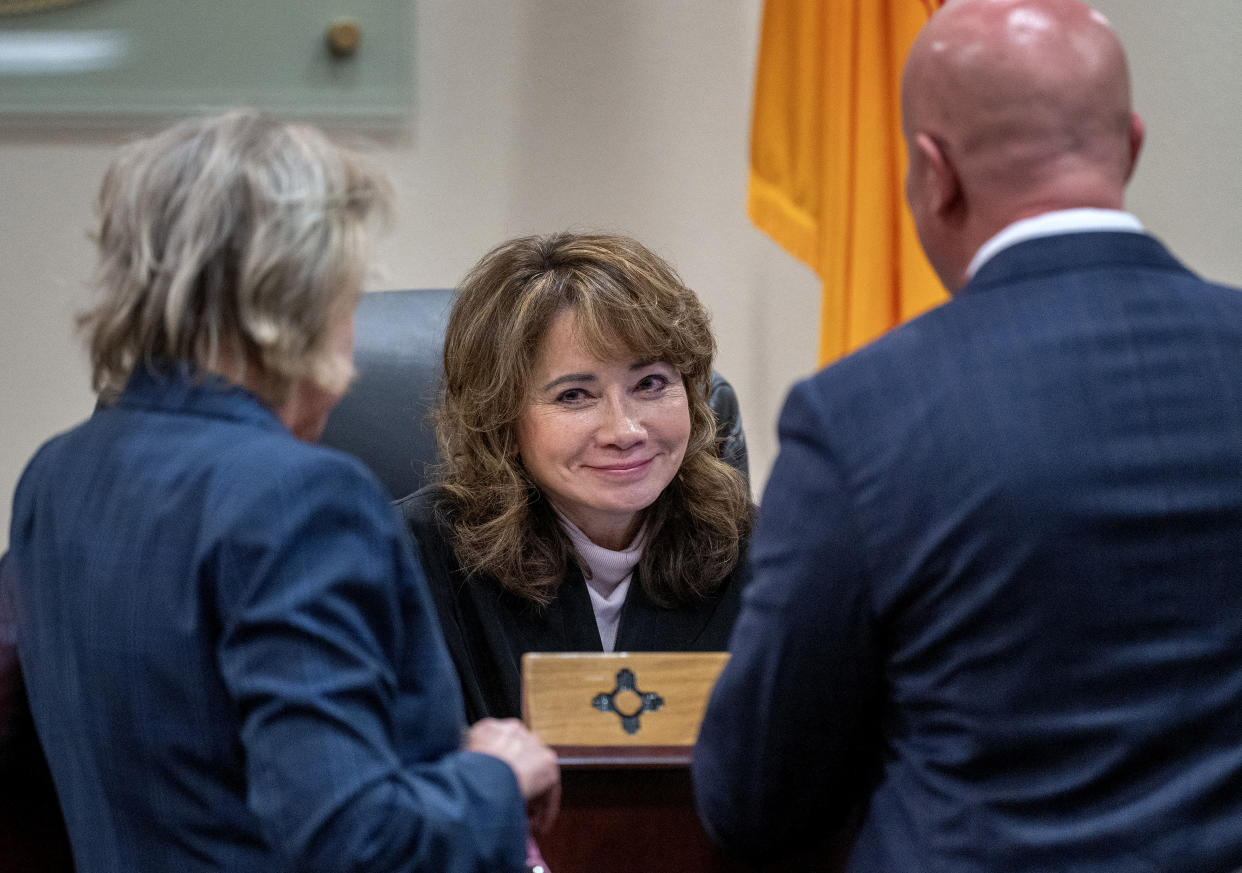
997, 597
232, 660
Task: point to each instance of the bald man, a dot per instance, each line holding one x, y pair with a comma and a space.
996, 619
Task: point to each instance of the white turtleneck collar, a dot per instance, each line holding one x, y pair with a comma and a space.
608, 575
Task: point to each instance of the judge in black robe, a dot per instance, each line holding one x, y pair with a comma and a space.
488, 629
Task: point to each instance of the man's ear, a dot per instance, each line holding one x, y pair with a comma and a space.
944, 187
1137, 132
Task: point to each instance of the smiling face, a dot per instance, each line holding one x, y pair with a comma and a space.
601, 438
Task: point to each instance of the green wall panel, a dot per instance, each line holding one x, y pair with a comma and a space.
139, 57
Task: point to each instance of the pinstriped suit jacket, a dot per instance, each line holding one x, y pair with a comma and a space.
997, 604
232, 662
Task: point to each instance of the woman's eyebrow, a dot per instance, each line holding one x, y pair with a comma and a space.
569, 377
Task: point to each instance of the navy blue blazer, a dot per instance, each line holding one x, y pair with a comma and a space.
997, 604
231, 659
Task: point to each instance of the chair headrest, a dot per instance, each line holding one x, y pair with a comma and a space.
384, 419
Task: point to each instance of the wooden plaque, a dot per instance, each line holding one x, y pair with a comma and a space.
625, 699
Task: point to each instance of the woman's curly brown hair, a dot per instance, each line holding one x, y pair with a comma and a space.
623, 296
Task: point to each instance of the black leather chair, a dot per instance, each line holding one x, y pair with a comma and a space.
385, 419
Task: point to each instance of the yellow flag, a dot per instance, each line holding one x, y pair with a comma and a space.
827, 159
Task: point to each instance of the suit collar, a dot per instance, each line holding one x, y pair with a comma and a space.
178, 387
1071, 252
1059, 221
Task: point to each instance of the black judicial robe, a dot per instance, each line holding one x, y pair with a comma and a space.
488, 629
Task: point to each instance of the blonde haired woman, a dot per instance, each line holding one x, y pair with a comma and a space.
231, 659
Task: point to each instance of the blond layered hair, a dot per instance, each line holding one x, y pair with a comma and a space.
231, 241
623, 297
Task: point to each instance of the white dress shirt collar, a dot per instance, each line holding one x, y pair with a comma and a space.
1051, 224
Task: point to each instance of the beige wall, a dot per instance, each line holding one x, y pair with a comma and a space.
1186, 70
536, 115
